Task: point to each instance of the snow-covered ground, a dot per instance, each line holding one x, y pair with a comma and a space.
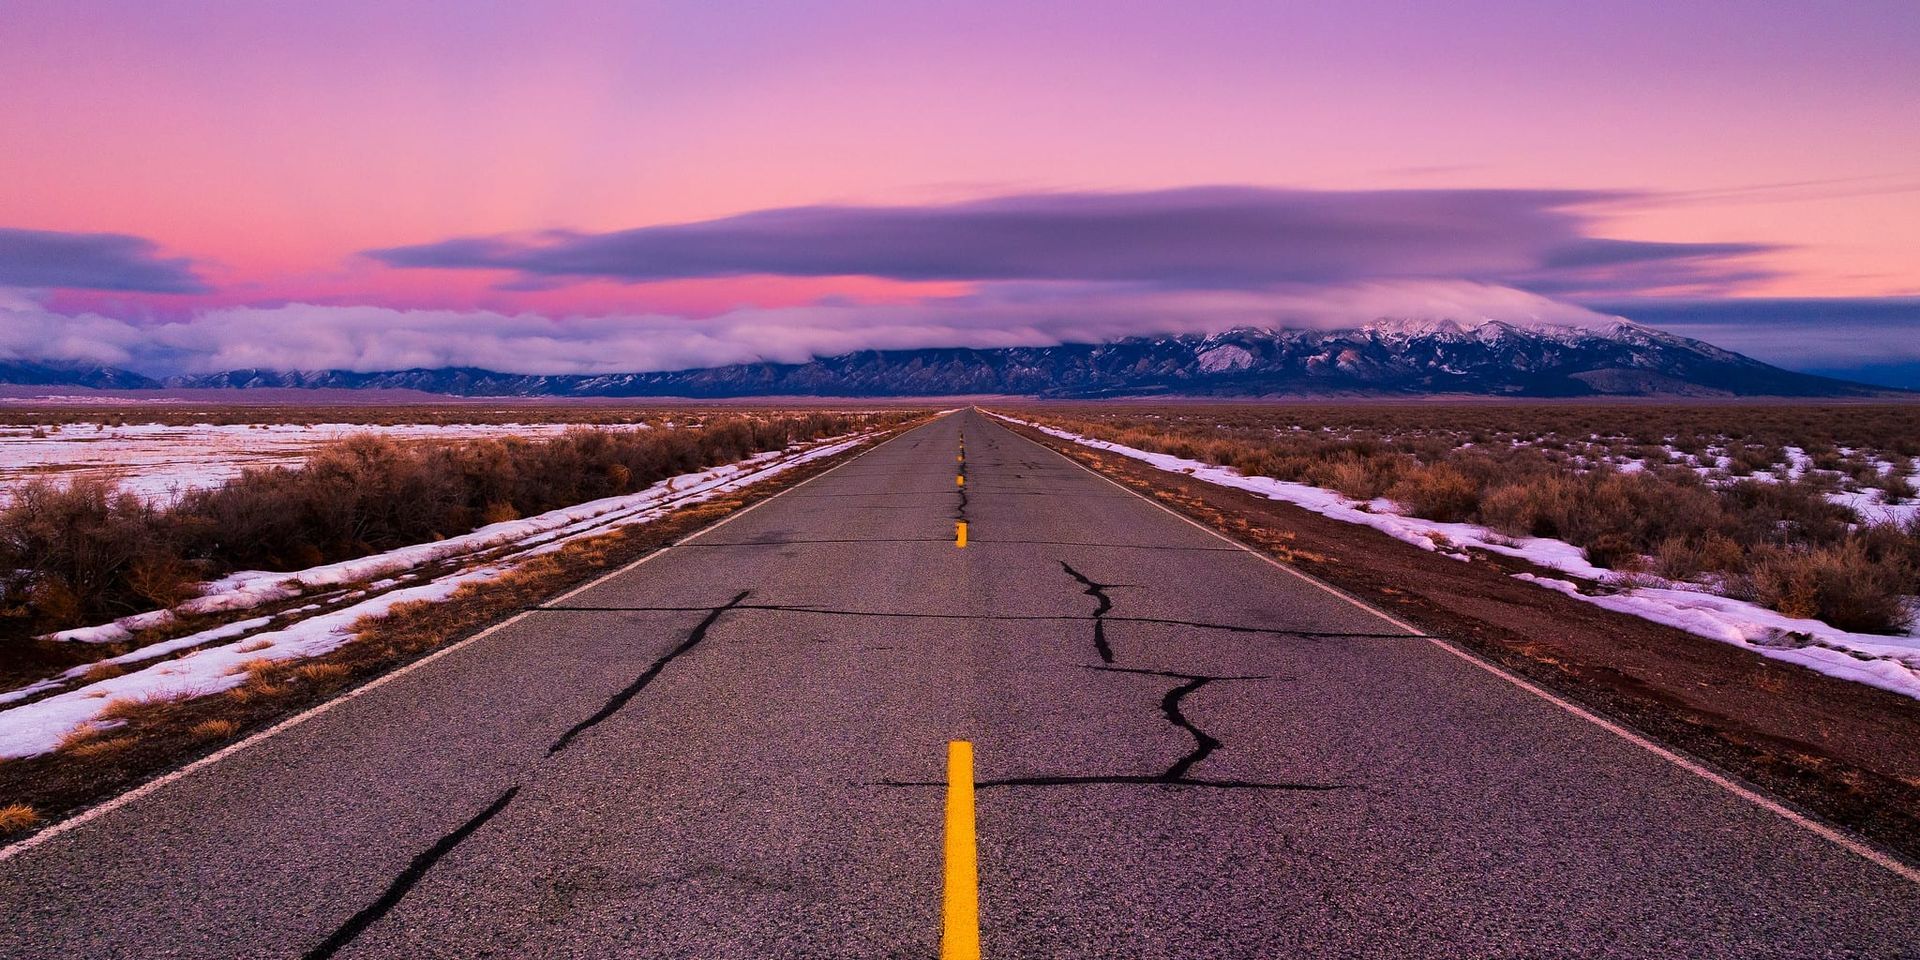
159, 461
215, 660
1888, 662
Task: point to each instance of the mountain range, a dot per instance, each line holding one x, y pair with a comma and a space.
1387, 357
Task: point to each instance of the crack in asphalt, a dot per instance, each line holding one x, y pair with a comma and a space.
962, 516
786, 543
1009, 617
633, 689
1204, 744
1154, 782
1177, 775
424, 861
1098, 591
398, 889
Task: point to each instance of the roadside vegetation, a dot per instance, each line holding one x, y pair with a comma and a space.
145, 736
85, 417
100, 553
1797, 508
82, 552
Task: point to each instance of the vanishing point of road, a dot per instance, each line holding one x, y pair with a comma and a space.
740, 747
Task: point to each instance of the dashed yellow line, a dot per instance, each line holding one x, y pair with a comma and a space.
960, 480
960, 534
960, 932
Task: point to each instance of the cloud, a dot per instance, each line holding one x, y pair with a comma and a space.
1223, 236
308, 337
91, 261
1873, 337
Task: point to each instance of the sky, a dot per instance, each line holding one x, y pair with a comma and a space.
596, 186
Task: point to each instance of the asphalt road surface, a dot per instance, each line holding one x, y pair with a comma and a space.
738, 749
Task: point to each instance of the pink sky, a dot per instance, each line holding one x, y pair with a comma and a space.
260, 150
270, 145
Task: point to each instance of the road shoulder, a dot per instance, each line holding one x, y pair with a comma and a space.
159, 739
1842, 751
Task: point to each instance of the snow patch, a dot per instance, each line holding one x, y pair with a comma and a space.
1888, 662
211, 666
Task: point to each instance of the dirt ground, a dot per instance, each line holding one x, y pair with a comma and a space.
1840, 750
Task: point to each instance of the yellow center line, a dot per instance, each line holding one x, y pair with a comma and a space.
960, 481
960, 934
960, 534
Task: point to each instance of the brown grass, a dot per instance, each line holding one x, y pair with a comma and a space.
1549, 471
15, 817
258, 687
122, 708
256, 667
103, 671
214, 729
89, 553
101, 747
322, 672
160, 734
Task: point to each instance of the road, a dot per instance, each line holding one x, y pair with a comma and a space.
738, 748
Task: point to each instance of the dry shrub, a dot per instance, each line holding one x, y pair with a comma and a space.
163, 579
85, 552
1535, 508
1538, 471
78, 545
1440, 493
498, 512
1845, 586
1679, 558
15, 817
1896, 486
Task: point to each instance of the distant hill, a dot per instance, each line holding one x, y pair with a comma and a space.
1386, 358
33, 374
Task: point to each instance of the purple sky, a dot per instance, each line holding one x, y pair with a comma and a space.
650, 184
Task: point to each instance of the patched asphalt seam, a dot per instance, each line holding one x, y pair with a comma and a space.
398, 889
633, 689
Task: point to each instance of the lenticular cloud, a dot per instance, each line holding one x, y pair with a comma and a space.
1225, 236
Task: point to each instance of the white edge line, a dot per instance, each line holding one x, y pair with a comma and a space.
152, 786
1695, 767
